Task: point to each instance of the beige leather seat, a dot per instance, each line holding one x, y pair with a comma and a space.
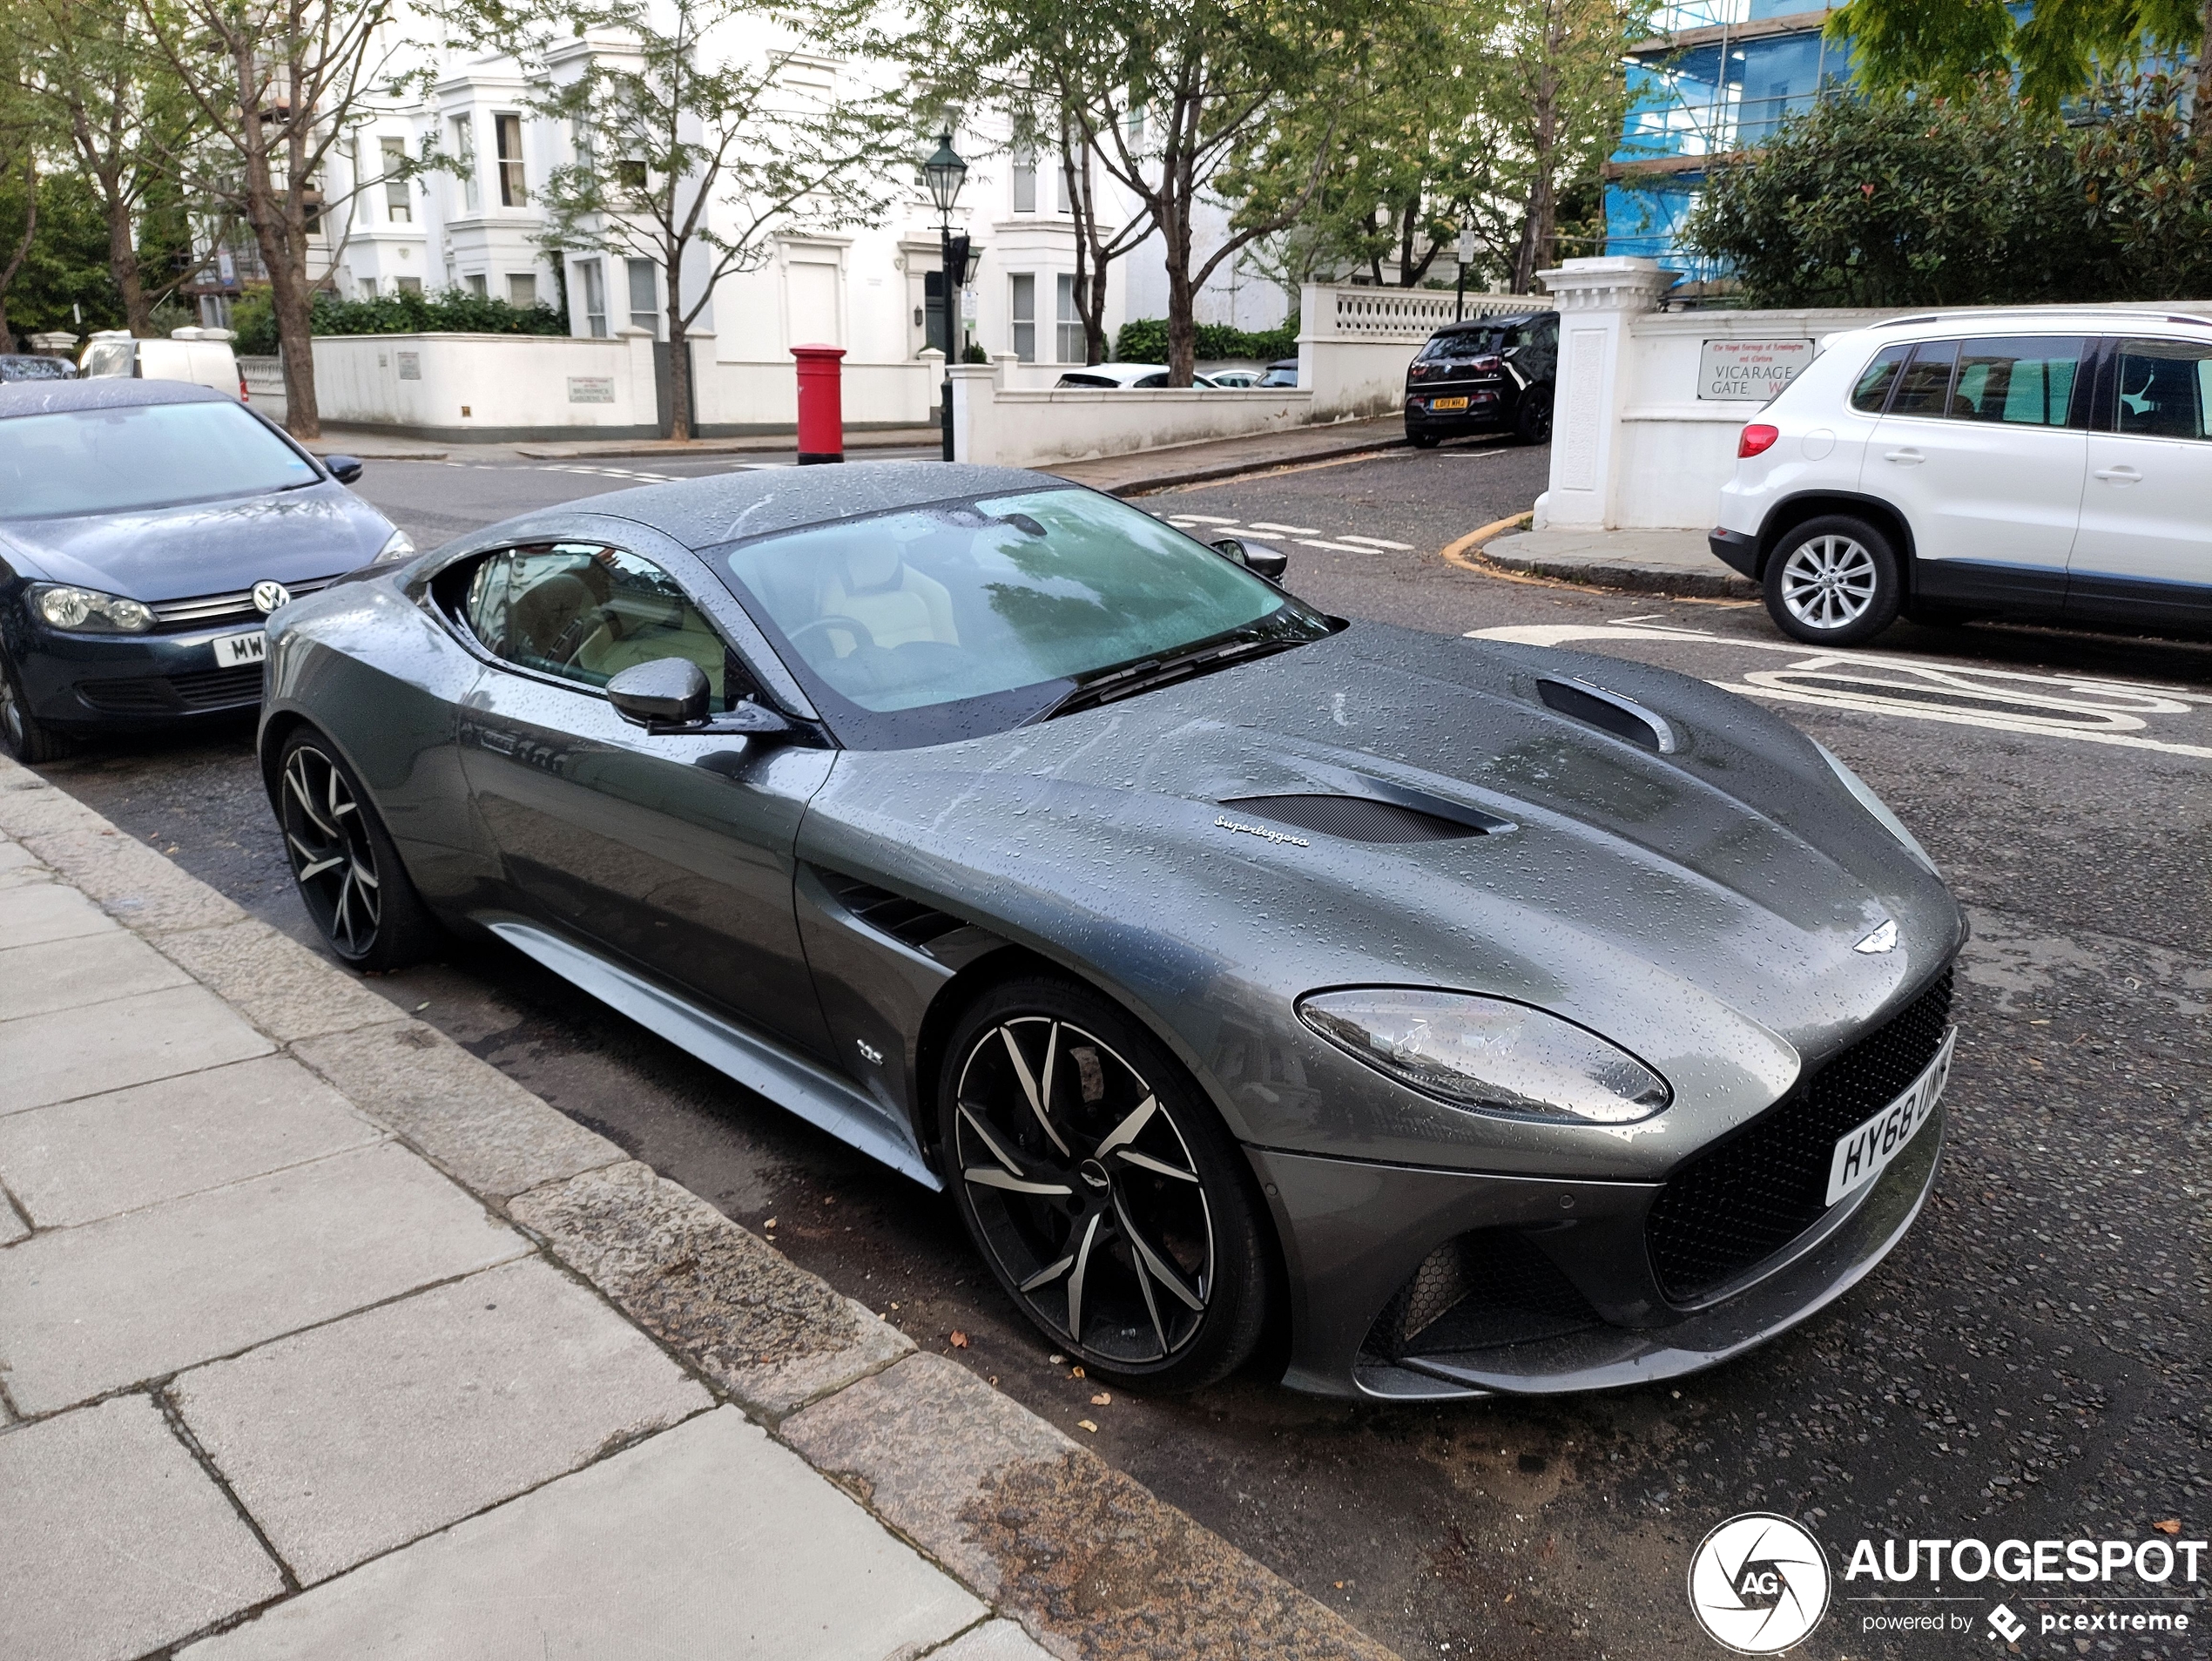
876, 588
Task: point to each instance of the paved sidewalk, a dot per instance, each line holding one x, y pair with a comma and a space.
370, 444
319, 1336
1223, 458
1656, 562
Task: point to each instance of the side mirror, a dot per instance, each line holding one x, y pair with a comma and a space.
668, 692
344, 468
1256, 558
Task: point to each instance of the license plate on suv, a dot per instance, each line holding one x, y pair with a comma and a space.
1447, 403
236, 651
1861, 1154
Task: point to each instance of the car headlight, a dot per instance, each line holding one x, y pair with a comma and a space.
398, 546
89, 611
1873, 804
1489, 1053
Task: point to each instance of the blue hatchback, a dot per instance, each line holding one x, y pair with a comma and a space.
147, 529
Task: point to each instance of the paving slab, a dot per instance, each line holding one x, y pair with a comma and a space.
707, 1540
130, 1544
14, 856
43, 911
1655, 562
12, 1228
130, 880
129, 1041
769, 1333
1220, 458
284, 988
993, 1641
76, 1162
79, 970
30, 805
87, 1310
481, 1125
360, 1435
1091, 1560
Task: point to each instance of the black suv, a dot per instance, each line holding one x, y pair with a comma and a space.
1485, 375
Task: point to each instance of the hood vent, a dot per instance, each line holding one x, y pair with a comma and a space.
1609, 713
906, 920
1363, 819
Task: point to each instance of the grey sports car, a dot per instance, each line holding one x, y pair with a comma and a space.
1468, 1017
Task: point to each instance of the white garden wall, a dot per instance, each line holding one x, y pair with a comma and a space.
489, 386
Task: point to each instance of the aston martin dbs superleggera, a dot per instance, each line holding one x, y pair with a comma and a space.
1472, 1018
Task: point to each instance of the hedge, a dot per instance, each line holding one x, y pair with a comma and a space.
1146, 341
454, 311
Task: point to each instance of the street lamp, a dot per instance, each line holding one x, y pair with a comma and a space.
945, 172
1470, 244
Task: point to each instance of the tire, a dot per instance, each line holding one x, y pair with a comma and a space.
1531, 422
348, 872
1118, 1215
1423, 441
22, 735
1833, 582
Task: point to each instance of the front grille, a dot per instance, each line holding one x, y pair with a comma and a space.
207, 610
217, 688
1737, 1204
1487, 1288
206, 689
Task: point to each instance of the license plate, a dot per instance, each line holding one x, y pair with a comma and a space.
236, 651
1861, 1155
1447, 403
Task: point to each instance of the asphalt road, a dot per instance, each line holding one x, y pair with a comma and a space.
2030, 1363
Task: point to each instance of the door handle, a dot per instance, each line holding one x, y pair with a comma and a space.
1903, 457
2120, 474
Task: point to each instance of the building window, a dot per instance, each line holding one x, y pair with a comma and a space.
507, 134
1025, 317
595, 298
407, 285
630, 174
1025, 181
1070, 322
522, 289
477, 284
368, 288
643, 311
399, 208
464, 151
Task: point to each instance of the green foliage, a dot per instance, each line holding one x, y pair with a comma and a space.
455, 311
1973, 199
68, 263
1145, 341
2059, 47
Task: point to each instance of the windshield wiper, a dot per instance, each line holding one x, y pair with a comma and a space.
1148, 672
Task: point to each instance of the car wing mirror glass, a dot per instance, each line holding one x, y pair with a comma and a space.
1256, 558
344, 468
665, 694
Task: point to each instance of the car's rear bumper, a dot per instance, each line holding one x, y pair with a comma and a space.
1738, 548
1487, 410
125, 683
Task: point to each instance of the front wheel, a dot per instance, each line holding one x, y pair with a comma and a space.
1109, 1201
348, 874
22, 735
1833, 582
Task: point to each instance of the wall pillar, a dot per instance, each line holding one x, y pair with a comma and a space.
975, 436
1597, 300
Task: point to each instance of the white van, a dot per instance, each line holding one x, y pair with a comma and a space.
203, 356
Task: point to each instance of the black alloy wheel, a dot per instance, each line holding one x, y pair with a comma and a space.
348, 874
22, 735
1533, 422
1107, 1198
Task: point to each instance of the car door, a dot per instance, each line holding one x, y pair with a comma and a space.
1982, 450
672, 851
2143, 554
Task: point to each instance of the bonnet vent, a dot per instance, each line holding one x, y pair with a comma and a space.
890, 913
1363, 819
1609, 713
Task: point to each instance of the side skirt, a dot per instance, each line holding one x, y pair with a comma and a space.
812, 1091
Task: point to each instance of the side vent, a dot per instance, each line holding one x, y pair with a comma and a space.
1610, 713
906, 920
1363, 819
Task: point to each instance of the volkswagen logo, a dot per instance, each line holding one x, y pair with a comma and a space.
1758, 1584
268, 596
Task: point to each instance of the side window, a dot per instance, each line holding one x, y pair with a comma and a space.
2025, 382
1877, 378
586, 614
2162, 388
1924, 387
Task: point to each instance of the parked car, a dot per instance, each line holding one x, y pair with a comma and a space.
1121, 377
147, 529
202, 357
36, 366
2044, 462
1239, 380
1281, 373
1476, 1017
1488, 374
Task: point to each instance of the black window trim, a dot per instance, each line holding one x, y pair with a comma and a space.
2089, 403
2107, 403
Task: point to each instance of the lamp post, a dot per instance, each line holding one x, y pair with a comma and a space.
1468, 248
945, 172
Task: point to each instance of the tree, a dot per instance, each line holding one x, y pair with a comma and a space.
19, 168
690, 155
273, 83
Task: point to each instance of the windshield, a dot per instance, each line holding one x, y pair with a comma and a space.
958, 617
140, 455
1464, 343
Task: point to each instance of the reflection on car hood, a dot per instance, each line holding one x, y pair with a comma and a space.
157, 554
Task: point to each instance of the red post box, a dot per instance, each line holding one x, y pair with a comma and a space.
822, 409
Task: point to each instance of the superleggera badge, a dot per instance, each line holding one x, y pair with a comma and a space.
1261, 831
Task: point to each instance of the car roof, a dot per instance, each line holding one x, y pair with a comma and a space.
2088, 317
702, 513
1503, 320
99, 392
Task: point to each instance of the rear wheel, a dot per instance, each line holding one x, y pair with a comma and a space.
24, 737
1110, 1203
1422, 441
1533, 423
1833, 582
348, 872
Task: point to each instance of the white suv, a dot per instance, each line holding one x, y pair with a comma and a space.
2048, 462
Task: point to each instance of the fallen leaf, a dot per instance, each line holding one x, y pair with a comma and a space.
421, 1006
2172, 1525
1058, 1361
1085, 1424
1102, 1400
1339, 1585
1075, 1371
895, 1306
771, 1223
959, 1341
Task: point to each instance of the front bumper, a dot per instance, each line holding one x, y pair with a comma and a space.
1738, 548
1356, 1234
123, 683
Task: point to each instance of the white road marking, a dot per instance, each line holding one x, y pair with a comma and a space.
1197, 519
1287, 530
1333, 547
1380, 542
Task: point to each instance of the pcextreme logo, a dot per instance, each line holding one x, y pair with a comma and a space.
1758, 1584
